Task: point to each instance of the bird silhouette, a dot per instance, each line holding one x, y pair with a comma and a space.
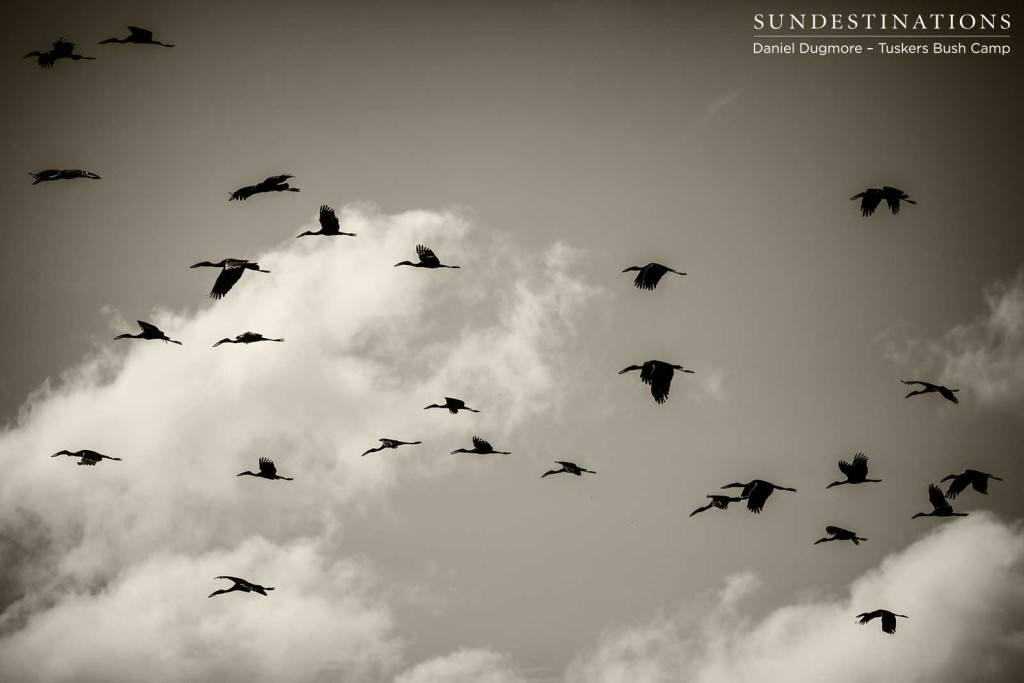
61, 174
275, 183
756, 492
888, 619
856, 472
87, 457
391, 443
247, 338
149, 331
568, 468
62, 49
837, 533
267, 470
873, 196
241, 585
650, 275
979, 480
720, 502
480, 447
139, 36
231, 272
453, 405
931, 388
329, 225
941, 508
427, 259
658, 374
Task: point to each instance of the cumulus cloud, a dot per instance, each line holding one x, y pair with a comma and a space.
962, 587
120, 557
986, 355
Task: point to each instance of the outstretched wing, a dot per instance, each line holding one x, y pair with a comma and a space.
267, 467
277, 179
243, 193
226, 280
957, 486
454, 402
237, 580
427, 256
148, 328
868, 616
936, 498
63, 48
329, 220
869, 200
660, 379
758, 497
481, 444
979, 480
141, 33
834, 530
649, 276
858, 469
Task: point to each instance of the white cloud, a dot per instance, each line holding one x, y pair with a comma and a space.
962, 587
464, 666
985, 356
367, 347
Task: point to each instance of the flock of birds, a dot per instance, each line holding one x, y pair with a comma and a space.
657, 374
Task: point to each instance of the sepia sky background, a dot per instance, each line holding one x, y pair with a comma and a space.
543, 147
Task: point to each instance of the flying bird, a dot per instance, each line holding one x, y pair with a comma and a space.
873, 196
658, 374
232, 270
979, 480
87, 457
931, 388
277, 183
427, 259
61, 50
241, 585
856, 472
837, 533
480, 447
756, 492
888, 619
391, 443
267, 470
247, 338
149, 331
453, 405
139, 36
329, 225
941, 508
61, 174
720, 502
650, 275
568, 468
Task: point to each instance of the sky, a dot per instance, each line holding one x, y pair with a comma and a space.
542, 147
